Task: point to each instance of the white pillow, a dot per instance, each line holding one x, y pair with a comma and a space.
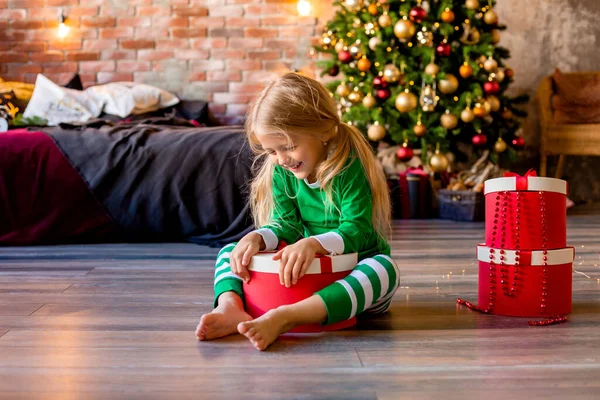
126, 98
58, 104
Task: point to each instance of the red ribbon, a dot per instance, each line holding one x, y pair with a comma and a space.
521, 180
524, 257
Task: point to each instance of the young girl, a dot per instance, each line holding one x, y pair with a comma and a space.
321, 191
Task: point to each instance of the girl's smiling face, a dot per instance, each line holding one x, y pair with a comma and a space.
301, 154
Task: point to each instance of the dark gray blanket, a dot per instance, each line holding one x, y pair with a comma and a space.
165, 183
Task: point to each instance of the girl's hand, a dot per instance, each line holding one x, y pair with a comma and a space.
243, 252
295, 260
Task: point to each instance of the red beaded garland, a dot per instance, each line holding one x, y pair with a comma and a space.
510, 291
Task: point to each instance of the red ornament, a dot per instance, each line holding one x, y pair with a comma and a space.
491, 87
518, 143
405, 153
383, 94
443, 49
417, 14
345, 56
334, 70
380, 82
479, 140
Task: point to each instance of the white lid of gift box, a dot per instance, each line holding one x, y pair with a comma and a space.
263, 262
534, 183
555, 257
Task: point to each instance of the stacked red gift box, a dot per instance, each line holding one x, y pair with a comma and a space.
525, 266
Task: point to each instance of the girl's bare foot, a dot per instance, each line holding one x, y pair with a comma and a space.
224, 319
263, 330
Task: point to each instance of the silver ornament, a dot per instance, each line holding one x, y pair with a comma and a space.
374, 42
425, 37
428, 99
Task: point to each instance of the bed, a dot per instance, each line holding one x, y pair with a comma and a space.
159, 179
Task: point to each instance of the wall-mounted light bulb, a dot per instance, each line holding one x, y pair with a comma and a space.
304, 8
63, 29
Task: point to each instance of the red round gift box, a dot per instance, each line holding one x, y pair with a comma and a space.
526, 300
264, 291
529, 216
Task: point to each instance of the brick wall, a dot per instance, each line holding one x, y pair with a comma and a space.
217, 50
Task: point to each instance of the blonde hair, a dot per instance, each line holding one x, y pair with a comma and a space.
295, 104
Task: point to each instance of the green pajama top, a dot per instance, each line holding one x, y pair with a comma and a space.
300, 211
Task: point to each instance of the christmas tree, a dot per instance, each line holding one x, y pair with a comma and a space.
423, 74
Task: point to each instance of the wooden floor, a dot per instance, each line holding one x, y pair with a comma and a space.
117, 321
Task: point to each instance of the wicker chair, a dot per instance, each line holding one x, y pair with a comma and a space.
563, 139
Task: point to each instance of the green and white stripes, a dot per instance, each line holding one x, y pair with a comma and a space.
225, 280
370, 287
223, 268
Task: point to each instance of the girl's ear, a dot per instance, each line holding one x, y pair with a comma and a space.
326, 137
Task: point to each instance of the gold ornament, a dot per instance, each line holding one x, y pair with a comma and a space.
425, 37
406, 101
495, 36
470, 35
373, 9
432, 69
374, 42
376, 132
428, 98
447, 15
490, 65
507, 114
339, 46
479, 110
364, 64
472, 4
355, 51
449, 121
494, 103
490, 18
369, 101
500, 146
486, 106
499, 75
449, 84
356, 96
391, 73
404, 30
465, 70
438, 162
482, 59
467, 115
419, 129
343, 90
385, 20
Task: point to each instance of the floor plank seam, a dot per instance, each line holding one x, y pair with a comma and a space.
359, 359
36, 310
71, 285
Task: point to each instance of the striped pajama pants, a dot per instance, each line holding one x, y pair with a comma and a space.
370, 286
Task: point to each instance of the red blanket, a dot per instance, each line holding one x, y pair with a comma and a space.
43, 200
